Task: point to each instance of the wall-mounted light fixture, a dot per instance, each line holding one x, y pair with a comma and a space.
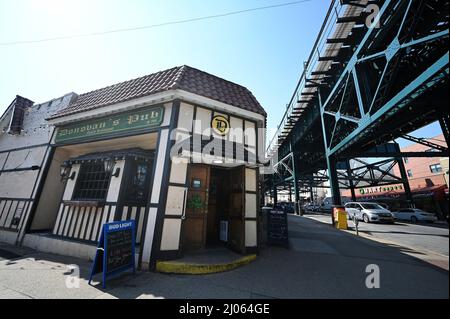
65, 172
109, 167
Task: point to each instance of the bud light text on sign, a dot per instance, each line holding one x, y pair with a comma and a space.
119, 225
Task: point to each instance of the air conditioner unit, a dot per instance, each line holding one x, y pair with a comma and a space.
223, 231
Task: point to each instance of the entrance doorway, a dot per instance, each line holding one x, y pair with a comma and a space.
194, 225
215, 208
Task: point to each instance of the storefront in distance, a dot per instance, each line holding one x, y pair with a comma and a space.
176, 151
429, 198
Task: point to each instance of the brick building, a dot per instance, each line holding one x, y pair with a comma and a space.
424, 171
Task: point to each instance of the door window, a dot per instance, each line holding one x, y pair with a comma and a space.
138, 182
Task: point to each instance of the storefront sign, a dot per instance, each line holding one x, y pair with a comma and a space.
130, 121
277, 228
115, 250
380, 189
220, 125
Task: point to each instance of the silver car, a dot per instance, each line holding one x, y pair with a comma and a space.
368, 212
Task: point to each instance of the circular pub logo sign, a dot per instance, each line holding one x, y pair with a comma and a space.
220, 125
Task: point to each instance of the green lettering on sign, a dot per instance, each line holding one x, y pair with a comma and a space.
125, 122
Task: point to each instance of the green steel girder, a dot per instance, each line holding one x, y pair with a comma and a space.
348, 129
380, 93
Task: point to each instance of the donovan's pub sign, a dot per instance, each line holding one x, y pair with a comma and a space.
111, 125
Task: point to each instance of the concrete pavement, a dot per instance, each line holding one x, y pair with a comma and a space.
322, 262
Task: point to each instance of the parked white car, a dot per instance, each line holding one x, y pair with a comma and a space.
368, 212
414, 215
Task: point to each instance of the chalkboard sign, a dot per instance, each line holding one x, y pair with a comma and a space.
277, 227
115, 250
120, 250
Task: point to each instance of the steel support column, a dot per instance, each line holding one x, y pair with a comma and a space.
295, 181
331, 162
350, 181
401, 166
274, 192
275, 196
311, 192
334, 183
290, 192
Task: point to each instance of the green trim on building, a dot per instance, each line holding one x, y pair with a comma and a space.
111, 125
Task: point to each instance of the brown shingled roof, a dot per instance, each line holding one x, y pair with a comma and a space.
184, 78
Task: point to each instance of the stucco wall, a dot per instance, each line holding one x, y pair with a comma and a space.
17, 184
70, 184
175, 193
47, 208
22, 161
114, 184
251, 207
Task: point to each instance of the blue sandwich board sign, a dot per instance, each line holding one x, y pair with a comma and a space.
115, 250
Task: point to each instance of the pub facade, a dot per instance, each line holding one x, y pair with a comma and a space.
176, 151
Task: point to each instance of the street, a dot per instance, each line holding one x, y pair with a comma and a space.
431, 238
322, 262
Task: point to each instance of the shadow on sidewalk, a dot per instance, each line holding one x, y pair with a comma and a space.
322, 262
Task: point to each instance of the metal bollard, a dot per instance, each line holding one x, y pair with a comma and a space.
356, 222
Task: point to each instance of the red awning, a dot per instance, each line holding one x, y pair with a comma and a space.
437, 191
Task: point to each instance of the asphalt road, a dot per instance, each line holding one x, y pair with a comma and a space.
429, 237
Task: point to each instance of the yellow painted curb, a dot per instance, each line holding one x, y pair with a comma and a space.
176, 267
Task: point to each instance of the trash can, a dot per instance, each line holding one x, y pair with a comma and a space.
340, 217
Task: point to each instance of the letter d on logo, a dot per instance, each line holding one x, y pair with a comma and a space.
373, 277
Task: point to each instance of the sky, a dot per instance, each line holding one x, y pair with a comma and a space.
263, 50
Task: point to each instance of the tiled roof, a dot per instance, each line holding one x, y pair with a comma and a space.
184, 78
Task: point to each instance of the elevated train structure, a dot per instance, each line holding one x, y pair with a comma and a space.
378, 71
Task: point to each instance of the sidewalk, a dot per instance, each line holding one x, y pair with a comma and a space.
322, 262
